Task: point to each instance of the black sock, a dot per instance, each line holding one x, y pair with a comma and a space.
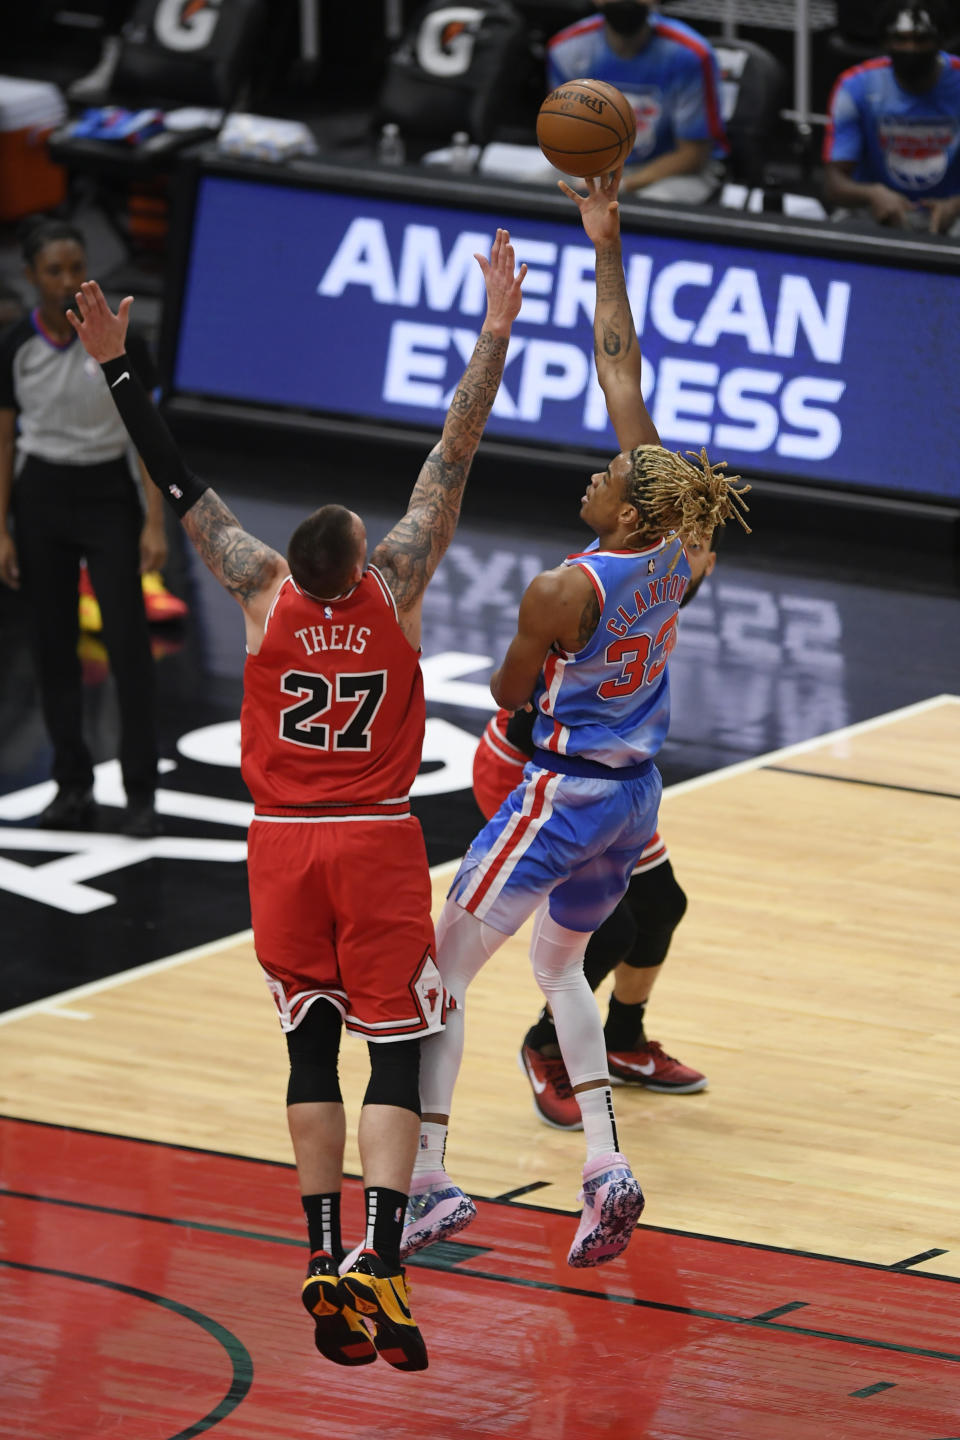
543, 1033
385, 1212
624, 1027
323, 1224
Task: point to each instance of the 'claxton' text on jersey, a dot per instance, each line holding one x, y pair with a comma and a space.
610, 701
333, 708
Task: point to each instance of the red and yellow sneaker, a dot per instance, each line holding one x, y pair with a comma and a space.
382, 1297
553, 1097
160, 605
654, 1069
339, 1333
91, 622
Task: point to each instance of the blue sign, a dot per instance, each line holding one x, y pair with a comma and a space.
780, 363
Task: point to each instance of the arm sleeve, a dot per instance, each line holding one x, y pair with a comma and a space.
139, 353
149, 433
520, 730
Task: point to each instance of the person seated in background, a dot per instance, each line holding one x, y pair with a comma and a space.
669, 74
893, 143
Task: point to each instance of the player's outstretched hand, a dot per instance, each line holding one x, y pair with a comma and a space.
103, 333
503, 282
599, 208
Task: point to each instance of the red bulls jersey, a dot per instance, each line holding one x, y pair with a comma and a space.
333, 709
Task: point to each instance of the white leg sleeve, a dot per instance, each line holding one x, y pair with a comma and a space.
464, 944
557, 956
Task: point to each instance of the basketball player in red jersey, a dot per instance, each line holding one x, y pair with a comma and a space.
332, 727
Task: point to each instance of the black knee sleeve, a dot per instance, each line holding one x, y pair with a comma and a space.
657, 905
314, 1048
610, 943
394, 1074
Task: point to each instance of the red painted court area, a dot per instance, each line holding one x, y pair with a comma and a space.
151, 1292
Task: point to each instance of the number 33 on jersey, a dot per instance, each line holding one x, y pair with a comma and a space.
623, 665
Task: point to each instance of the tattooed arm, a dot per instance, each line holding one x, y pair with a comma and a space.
615, 345
410, 554
250, 570
559, 607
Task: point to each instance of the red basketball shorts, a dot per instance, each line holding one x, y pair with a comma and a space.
497, 769
341, 910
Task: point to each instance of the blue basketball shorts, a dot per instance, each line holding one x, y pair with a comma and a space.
573, 838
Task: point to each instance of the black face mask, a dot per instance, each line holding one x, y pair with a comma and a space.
916, 69
626, 17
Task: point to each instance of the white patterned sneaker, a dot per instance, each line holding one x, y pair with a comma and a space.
436, 1210
612, 1205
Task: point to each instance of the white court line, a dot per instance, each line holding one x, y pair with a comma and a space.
803, 747
93, 987
743, 767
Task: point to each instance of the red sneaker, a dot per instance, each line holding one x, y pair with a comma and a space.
553, 1096
160, 605
654, 1069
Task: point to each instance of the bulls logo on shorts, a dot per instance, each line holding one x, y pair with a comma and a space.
427, 989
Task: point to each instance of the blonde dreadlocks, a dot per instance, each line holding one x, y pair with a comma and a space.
674, 496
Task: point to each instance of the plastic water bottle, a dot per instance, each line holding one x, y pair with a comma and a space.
390, 148
461, 158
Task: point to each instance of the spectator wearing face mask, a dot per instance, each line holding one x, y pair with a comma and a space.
669, 74
893, 143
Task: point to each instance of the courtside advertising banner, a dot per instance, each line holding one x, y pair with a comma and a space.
780, 363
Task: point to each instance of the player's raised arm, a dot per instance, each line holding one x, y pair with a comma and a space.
410, 554
248, 569
615, 343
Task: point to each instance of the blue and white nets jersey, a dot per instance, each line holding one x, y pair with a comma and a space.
610, 701
909, 142
672, 83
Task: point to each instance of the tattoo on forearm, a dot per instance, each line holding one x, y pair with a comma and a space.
609, 339
589, 620
613, 331
413, 549
243, 564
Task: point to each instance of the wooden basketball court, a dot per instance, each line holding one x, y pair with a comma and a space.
793, 1274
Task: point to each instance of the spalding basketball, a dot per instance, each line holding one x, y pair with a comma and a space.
586, 127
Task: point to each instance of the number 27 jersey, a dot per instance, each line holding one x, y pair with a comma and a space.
333, 708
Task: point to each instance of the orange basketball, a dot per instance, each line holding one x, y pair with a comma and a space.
586, 127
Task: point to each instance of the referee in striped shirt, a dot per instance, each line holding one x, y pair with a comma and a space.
67, 484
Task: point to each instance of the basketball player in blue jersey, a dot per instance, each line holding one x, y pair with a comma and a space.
590, 655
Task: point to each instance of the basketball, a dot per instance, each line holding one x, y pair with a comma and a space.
586, 127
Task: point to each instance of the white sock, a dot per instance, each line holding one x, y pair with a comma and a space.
599, 1125
430, 1152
